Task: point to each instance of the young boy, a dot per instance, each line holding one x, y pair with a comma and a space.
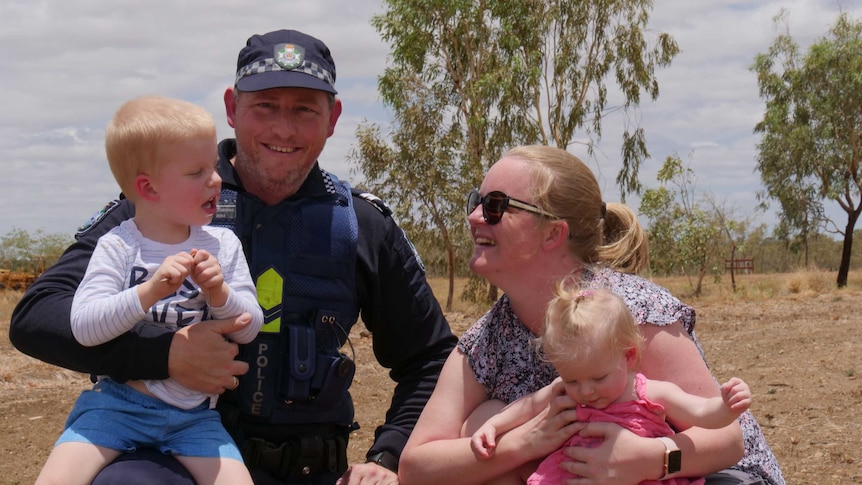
164, 267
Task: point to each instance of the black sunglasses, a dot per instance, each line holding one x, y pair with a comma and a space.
495, 203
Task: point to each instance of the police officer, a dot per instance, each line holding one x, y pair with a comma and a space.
321, 254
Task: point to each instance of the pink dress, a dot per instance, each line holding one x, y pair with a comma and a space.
642, 417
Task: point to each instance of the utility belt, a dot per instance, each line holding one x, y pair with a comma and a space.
293, 453
299, 458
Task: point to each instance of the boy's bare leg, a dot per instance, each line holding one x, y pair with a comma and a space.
73, 463
216, 471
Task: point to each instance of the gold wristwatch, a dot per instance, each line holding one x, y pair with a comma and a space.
672, 458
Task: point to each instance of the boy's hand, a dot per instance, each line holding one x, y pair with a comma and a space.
207, 272
173, 271
736, 395
167, 279
484, 442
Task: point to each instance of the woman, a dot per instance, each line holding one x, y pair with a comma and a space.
538, 217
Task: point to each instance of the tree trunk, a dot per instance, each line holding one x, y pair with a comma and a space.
847, 248
492, 293
701, 272
451, 254
733, 268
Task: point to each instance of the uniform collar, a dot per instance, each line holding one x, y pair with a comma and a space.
315, 184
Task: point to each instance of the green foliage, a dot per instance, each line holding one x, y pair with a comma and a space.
527, 71
677, 214
430, 206
475, 290
810, 148
445, 83
773, 254
31, 253
684, 237
468, 79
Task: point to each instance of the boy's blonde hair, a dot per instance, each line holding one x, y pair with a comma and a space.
142, 127
581, 321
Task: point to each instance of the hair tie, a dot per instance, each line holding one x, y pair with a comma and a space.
604, 209
582, 296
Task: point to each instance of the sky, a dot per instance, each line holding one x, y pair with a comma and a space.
65, 67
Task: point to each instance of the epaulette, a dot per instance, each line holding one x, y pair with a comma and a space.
372, 199
97, 217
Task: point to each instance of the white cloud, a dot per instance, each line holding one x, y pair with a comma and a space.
65, 67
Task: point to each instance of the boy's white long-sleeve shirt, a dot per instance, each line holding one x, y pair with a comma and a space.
106, 304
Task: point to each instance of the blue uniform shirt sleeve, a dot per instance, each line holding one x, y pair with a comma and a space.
411, 336
40, 326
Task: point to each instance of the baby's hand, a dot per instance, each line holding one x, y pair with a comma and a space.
483, 442
736, 395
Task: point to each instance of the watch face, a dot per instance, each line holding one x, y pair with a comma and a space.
674, 461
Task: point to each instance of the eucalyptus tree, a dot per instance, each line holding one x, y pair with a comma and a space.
685, 238
508, 72
811, 132
735, 232
390, 170
594, 58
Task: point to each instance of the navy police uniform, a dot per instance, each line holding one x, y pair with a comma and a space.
292, 413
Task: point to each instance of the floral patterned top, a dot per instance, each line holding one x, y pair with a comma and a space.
499, 349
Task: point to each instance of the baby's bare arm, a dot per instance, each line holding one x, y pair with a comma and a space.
685, 410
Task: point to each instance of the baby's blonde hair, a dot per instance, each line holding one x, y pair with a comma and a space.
142, 127
581, 321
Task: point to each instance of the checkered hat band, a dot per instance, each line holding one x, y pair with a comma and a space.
269, 65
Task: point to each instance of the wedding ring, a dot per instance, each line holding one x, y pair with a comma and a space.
235, 384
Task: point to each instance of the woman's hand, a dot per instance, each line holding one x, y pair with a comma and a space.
624, 458
551, 428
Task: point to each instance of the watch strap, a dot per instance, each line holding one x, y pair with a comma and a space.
672, 458
385, 459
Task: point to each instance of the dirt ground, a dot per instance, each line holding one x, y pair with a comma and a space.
799, 353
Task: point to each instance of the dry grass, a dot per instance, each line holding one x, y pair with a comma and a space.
750, 287
794, 338
761, 287
8, 300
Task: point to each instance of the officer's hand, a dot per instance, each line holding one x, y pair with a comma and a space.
202, 359
368, 474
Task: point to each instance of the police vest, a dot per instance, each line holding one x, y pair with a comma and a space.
302, 256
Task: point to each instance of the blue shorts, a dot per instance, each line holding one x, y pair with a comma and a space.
118, 417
